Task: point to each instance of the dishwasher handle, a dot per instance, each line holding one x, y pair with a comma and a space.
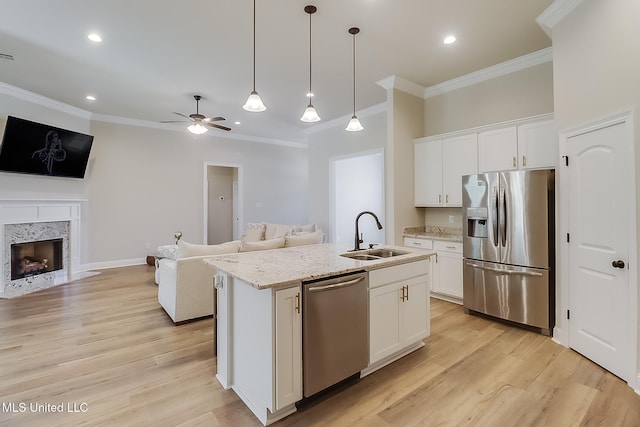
336, 285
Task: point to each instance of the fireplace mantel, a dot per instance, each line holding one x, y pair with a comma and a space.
23, 211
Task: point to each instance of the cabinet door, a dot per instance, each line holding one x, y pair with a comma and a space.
428, 173
384, 321
538, 145
459, 157
288, 357
498, 150
415, 310
448, 274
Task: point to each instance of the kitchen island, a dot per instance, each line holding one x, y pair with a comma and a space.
259, 331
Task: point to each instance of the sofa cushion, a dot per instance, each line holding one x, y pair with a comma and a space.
273, 231
303, 239
254, 232
186, 249
263, 245
302, 229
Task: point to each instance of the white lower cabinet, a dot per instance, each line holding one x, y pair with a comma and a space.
288, 358
447, 270
398, 309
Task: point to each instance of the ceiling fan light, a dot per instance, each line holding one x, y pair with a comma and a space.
197, 129
354, 125
254, 103
310, 115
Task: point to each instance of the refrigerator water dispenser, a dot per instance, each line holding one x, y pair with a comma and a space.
477, 222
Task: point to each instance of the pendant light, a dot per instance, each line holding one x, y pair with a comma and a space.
354, 124
310, 114
254, 102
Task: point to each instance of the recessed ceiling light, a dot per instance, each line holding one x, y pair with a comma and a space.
236, 123
94, 37
449, 39
91, 98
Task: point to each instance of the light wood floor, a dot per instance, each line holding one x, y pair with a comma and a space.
104, 346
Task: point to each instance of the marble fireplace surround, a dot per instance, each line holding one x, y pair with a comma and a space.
23, 220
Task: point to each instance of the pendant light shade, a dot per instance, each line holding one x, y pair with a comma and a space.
310, 114
254, 102
354, 124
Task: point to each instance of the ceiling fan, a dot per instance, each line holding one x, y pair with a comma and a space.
199, 121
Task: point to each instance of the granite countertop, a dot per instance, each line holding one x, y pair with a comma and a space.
449, 234
289, 266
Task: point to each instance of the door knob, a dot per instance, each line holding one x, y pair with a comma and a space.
618, 264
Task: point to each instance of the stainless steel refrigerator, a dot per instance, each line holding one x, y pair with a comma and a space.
509, 246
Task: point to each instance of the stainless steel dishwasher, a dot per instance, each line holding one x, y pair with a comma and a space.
335, 341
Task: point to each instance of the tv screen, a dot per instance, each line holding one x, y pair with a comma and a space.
36, 148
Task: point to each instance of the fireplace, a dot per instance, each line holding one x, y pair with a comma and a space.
38, 257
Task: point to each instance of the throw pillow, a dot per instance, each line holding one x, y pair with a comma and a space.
263, 245
186, 249
309, 228
273, 231
253, 234
305, 239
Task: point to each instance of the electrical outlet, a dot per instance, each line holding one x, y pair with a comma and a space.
451, 219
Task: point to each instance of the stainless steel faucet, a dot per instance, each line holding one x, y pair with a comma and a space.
358, 238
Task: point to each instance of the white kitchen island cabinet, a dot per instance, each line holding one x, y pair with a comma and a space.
259, 331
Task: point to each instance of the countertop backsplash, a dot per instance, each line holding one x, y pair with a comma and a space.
434, 232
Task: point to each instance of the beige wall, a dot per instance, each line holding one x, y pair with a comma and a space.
597, 70
147, 183
331, 142
523, 93
405, 117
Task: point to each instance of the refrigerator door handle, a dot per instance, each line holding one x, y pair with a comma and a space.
494, 206
510, 272
502, 217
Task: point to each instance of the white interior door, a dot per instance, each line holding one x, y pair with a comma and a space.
600, 188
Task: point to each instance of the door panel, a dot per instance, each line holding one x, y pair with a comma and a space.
598, 208
524, 234
480, 218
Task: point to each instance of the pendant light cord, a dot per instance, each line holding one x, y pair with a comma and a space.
254, 45
354, 74
310, 93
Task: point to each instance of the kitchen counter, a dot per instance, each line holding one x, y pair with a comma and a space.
448, 234
280, 268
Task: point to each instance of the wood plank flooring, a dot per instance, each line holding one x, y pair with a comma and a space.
104, 349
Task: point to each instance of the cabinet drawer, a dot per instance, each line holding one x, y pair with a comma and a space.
414, 242
398, 273
444, 246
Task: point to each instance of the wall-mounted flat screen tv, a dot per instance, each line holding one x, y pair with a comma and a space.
35, 148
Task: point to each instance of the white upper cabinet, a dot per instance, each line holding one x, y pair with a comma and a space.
428, 173
439, 165
538, 145
498, 149
459, 158
526, 146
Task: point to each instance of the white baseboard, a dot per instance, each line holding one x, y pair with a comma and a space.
113, 264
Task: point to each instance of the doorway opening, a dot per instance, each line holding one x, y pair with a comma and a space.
222, 203
357, 184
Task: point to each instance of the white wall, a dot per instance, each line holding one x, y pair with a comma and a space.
147, 183
597, 72
334, 141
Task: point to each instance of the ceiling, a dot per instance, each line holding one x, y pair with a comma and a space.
157, 54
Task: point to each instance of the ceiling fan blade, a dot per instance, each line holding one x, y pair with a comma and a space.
173, 121
182, 115
214, 119
213, 125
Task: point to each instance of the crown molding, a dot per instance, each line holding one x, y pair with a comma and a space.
555, 13
507, 67
397, 82
34, 98
179, 128
342, 121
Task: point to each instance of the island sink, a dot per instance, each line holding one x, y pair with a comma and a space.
373, 254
